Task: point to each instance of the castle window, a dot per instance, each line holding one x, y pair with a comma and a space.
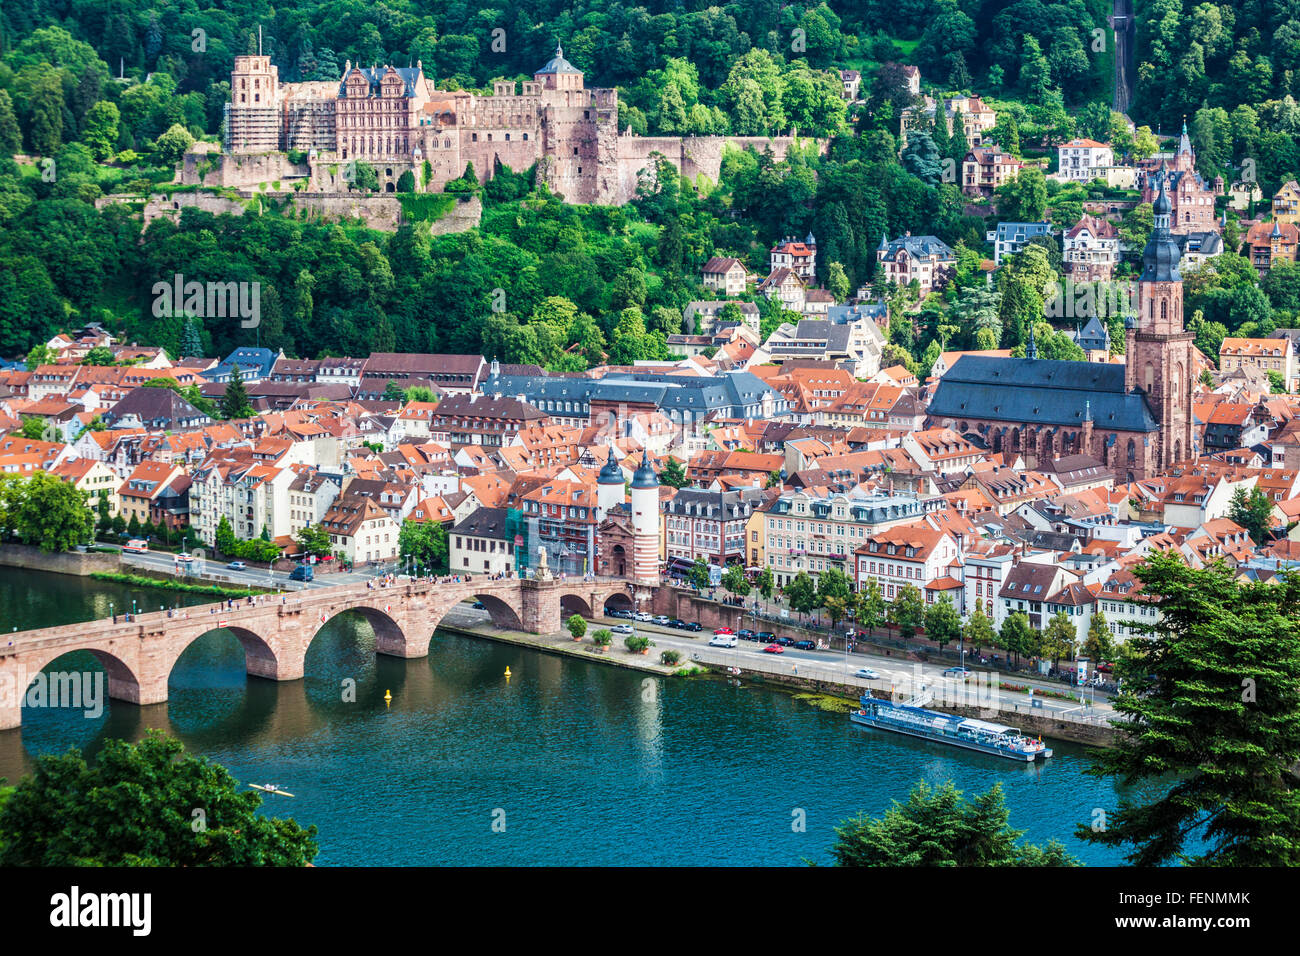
474, 137
525, 136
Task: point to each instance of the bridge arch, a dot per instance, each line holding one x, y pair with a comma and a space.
618, 601
503, 614
390, 638
122, 681
260, 658
574, 604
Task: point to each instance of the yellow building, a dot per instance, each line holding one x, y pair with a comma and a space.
1286, 204
93, 477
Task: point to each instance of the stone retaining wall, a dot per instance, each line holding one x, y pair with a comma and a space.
67, 562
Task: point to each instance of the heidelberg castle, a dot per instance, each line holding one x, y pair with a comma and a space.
394, 119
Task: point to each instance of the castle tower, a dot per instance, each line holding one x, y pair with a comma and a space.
645, 524
609, 485
253, 115
1158, 355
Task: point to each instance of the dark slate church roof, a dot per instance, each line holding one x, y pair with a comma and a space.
1040, 391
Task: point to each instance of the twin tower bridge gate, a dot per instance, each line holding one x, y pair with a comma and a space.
139, 655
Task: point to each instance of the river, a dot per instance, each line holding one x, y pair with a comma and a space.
567, 762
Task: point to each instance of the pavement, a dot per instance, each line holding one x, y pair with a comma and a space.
774, 615
216, 572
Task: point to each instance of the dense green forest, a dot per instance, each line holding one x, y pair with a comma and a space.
107, 96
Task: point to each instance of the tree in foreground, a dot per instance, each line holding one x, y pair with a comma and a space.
145, 804
941, 827
1210, 723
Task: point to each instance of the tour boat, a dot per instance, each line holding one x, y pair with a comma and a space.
913, 719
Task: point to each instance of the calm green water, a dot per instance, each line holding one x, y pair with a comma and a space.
581, 764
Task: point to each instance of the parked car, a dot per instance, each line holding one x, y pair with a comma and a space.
479, 606
765, 636
645, 617
805, 645
621, 629
677, 622
866, 673
774, 649
236, 565
745, 634
723, 630
619, 612
662, 620
723, 640
692, 626
962, 672
784, 641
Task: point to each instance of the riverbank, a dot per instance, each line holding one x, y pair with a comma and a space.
563, 645
166, 582
1092, 733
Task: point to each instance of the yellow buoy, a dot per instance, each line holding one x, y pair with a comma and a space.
507, 673
388, 698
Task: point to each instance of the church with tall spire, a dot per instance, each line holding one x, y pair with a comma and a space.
1135, 418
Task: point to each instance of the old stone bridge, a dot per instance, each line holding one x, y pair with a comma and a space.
138, 655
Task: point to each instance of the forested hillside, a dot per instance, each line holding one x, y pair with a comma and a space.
105, 97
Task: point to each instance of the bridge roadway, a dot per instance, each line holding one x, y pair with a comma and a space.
275, 631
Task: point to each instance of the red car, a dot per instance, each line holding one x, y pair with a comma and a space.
774, 649
724, 630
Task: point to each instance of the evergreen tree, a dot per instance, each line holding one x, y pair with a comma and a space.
191, 342
674, 474
1210, 728
235, 403
11, 137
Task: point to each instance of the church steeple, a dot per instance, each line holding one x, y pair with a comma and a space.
1158, 355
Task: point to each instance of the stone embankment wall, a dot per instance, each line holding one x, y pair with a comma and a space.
377, 212
67, 562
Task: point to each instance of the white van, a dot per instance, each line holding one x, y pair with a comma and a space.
724, 640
